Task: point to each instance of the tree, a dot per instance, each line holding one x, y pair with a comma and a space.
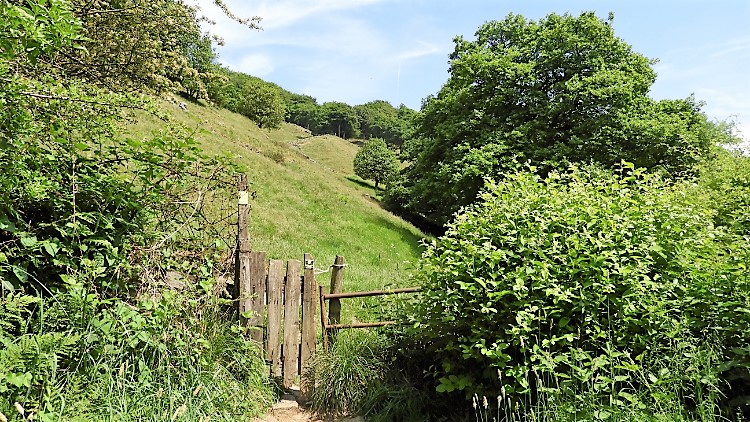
338, 119
374, 161
261, 103
302, 110
563, 89
379, 119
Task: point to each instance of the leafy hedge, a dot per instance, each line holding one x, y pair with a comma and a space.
586, 282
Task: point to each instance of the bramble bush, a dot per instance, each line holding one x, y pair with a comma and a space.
588, 283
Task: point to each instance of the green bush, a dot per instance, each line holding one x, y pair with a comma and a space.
727, 180
578, 283
95, 359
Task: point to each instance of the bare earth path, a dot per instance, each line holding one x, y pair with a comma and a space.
288, 410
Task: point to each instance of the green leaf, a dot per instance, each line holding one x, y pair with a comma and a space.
21, 273
19, 380
6, 224
28, 241
7, 285
602, 414
50, 248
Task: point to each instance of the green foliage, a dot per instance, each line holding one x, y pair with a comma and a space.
94, 359
137, 45
558, 90
727, 181
379, 119
374, 161
588, 284
341, 379
261, 103
335, 118
92, 224
33, 29
302, 110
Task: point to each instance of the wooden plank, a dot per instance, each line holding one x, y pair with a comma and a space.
275, 303
362, 325
292, 300
242, 266
331, 296
323, 318
309, 306
337, 286
257, 294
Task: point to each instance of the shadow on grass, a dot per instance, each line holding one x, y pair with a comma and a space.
190, 99
409, 236
363, 183
417, 221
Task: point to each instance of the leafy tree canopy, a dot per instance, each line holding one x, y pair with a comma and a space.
379, 119
302, 110
261, 103
563, 89
336, 118
374, 161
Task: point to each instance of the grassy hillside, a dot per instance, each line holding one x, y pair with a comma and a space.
307, 198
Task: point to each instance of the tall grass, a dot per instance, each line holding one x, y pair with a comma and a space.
341, 379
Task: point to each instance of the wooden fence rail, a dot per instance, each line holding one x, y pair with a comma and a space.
331, 321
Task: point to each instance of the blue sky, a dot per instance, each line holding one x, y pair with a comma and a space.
356, 51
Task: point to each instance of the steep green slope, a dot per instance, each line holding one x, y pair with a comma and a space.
307, 198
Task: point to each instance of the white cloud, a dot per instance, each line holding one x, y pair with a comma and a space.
731, 47
278, 14
255, 64
281, 13
424, 49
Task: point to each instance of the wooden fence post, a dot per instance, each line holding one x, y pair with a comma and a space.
337, 286
242, 267
291, 322
309, 305
275, 302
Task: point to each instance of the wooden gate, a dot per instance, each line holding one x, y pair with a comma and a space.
277, 304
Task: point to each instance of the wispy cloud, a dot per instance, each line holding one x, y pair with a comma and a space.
255, 64
730, 47
422, 50
283, 13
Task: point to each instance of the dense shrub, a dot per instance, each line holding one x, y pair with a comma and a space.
585, 281
727, 181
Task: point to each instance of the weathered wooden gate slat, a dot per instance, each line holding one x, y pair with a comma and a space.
309, 305
257, 295
275, 304
292, 300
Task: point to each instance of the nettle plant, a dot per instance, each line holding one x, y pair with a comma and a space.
582, 281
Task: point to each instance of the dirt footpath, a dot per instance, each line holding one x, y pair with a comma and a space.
288, 410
